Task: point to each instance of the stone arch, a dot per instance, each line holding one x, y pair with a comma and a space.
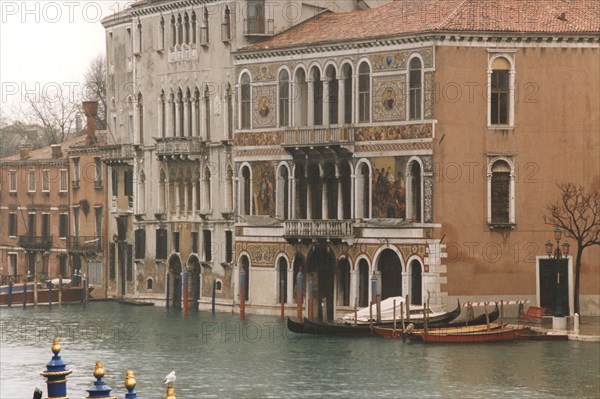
390, 266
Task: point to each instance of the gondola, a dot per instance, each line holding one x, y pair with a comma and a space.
295, 326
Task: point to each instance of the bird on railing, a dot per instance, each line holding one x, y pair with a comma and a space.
170, 378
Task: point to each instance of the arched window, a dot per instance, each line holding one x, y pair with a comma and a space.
500, 193
414, 88
348, 105
139, 37
363, 188
187, 114
226, 26
207, 112
229, 98
206, 200
500, 96
173, 32
162, 125
282, 280
416, 281
363, 283
186, 28
161, 34
179, 114
245, 191
196, 112
284, 98
162, 190
300, 194
343, 283
229, 189
300, 98
245, 285
204, 29
194, 28
332, 95
245, 102
282, 192
414, 192
317, 96
179, 30
140, 110
364, 93
149, 284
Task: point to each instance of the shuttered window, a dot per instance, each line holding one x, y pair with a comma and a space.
500, 192
161, 244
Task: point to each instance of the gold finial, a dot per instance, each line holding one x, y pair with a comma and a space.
56, 346
170, 393
99, 371
130, 380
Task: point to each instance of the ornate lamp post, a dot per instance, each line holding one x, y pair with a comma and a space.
557, 255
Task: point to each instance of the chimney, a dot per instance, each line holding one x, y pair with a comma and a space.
24, 150
56, 150
90, 108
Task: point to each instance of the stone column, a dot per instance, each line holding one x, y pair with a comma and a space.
340, 198
311, 103
186, 117
178, 127
341, 99
324, 198
194, 118
326, 102
161, 116
169, 117
184, 201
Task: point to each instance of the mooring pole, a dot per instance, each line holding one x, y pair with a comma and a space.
402, 320
394, 318
50, 295
10, 290
281, 297
185, 293
299, 295
407, 309
243, 280
214, 295
355, 311
311, 301
25, 295
167, 290
501, 313
60, 289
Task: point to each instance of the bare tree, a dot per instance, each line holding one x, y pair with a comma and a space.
578, 214
95, 88
55, 112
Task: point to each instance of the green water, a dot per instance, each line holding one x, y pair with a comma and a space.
221, 357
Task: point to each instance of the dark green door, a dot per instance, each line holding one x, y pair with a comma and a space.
554, 287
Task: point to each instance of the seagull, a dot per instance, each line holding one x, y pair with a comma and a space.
170, 378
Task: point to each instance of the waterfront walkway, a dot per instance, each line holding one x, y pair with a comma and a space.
589, 328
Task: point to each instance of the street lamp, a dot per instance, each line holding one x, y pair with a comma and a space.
557, 255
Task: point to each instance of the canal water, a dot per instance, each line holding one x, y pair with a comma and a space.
221, 357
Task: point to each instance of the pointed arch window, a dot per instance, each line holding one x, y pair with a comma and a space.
245, 191
284, 98
229, 98
194, 28
204, 28
140, 109
207, 112
186, 28
226, 25
139, 38
173, 32
161, 34
179, 30
245, 101
364, 93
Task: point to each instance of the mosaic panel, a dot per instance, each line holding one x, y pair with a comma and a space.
389, 99
264, 107
397, 132
428, 100
263, 178
388, 193
258, 139
396, 60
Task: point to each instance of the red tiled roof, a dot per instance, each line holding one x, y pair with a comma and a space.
402, 17
46, 152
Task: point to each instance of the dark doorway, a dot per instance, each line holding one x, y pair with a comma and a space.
415, 283
194, 263
282, 280
175, 270
363, 283
320, 268
343, 283
554, 286
391, 274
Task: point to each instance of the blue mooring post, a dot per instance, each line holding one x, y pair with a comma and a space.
83, 289
56, 374
299, 295
167, 290
10, 289
373, 289
24, 294
214, 295
130, 385
185, 290
243, 293
100, 390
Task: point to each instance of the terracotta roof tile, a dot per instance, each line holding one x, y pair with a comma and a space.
46, 152
402, 17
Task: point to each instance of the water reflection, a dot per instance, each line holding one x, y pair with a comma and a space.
222, 357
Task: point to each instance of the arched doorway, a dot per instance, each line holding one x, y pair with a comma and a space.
282, 281
363, 283
320, 271
175, 285
245, 266
390, 267
343, 283
195, 270
416, 293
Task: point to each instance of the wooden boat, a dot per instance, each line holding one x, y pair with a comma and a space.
387, 315
69, 294
392, 333
505, 333
295, 326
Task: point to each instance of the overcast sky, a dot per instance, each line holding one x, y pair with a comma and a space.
44, 43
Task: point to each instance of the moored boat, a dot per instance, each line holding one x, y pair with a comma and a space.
69, 293
396, 333
295, 326
505, 333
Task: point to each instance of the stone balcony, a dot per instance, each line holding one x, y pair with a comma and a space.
117, 154
318, 229
179, 148
337, 139
84, 244
35, 243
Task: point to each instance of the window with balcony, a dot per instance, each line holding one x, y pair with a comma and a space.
364, 93
12, 225
348, 78
186, 28
194, 29
317, 96
31, 181
415, 88
300, 96
332, 97
284, 98
245, 101
31, 225
173, 32
45, 225
179, 30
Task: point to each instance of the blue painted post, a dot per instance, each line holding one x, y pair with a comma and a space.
167, 290
24, 295
373, 289
243, 280
100, 390
10, 289
196, 294
56, 374
281, 298
130, 385
299, 295
214, 295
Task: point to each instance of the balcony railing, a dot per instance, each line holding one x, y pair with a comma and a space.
318, 136
179, 146
318, 228
258, 26
84, 244
35, 243
120, 153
